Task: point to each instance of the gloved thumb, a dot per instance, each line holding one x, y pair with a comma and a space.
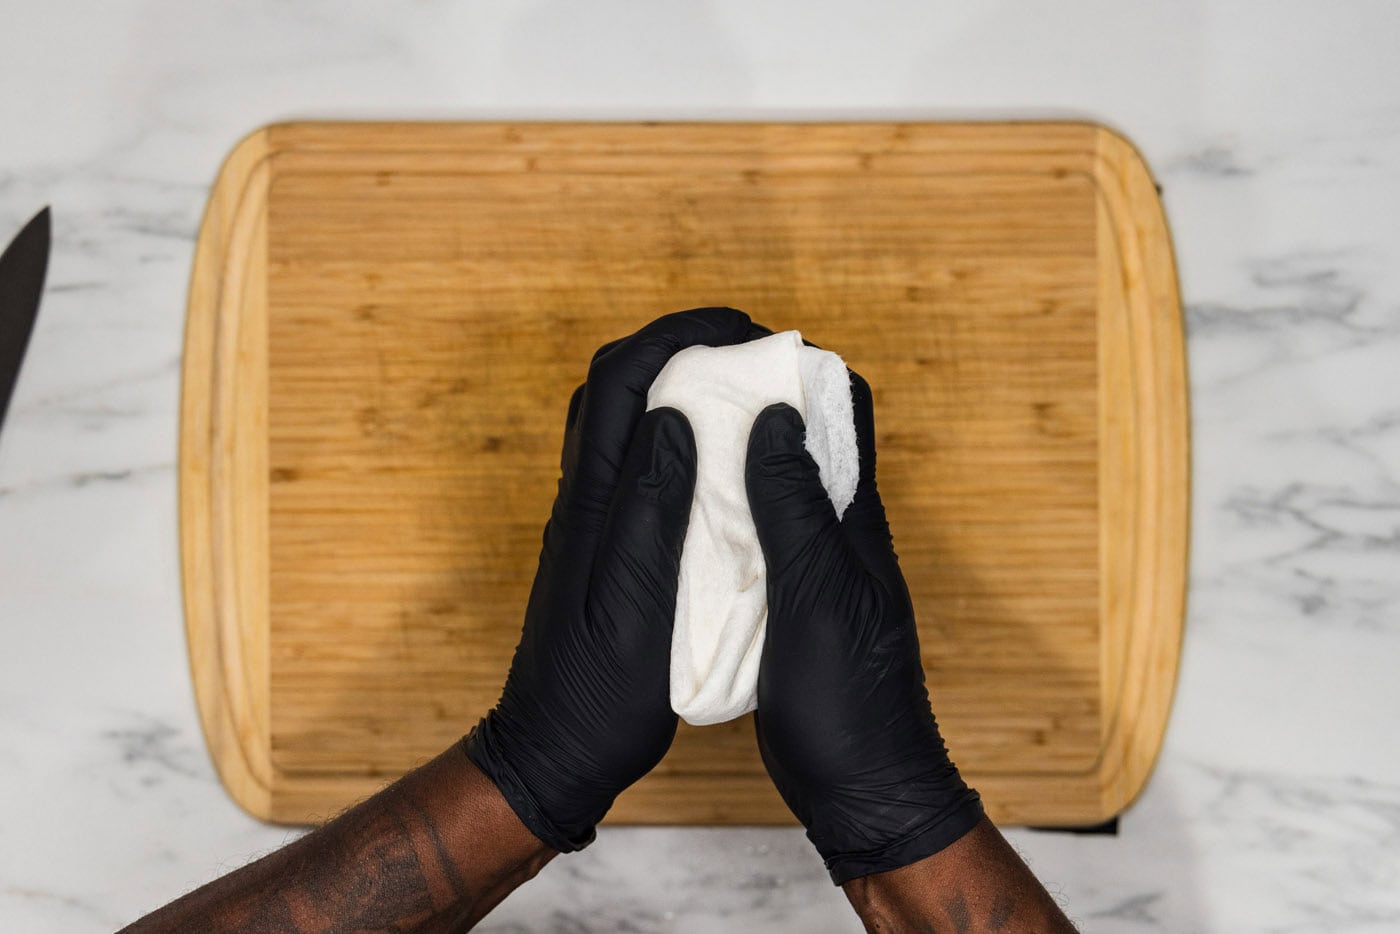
638, 561
802, 541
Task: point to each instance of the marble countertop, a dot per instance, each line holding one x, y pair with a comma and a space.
1274, 128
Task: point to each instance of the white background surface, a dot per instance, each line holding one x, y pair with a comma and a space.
1275, 130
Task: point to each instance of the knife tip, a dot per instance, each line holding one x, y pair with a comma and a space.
43, 222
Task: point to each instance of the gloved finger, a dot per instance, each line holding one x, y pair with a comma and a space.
632, 594
601, 351
569, 450
754, 332
867, 528
615, 395
803, 544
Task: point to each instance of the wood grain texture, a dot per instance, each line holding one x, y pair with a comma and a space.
385, 324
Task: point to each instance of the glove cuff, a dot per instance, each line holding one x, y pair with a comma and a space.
945, 829
483, 748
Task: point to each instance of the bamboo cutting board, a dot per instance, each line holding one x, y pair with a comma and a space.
386, 322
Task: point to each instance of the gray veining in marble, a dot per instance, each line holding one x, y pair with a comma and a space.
1274, 128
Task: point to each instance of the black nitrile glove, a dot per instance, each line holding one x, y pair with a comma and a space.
844, 723
586, 708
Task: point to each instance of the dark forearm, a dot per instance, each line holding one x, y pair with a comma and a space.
435, 851
977, 884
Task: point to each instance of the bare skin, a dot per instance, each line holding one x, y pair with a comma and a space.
440, 848
978, 884
435, 851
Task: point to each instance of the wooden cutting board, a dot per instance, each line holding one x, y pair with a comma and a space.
386, 322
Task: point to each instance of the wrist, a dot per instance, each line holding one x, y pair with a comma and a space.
976, 884
917, 896
508, 770
938, 829
490, 816
485, 851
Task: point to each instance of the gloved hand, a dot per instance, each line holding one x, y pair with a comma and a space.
844, 723
586, 708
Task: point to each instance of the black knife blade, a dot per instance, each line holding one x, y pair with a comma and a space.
22, 268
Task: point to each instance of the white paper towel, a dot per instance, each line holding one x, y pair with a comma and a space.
721, 602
